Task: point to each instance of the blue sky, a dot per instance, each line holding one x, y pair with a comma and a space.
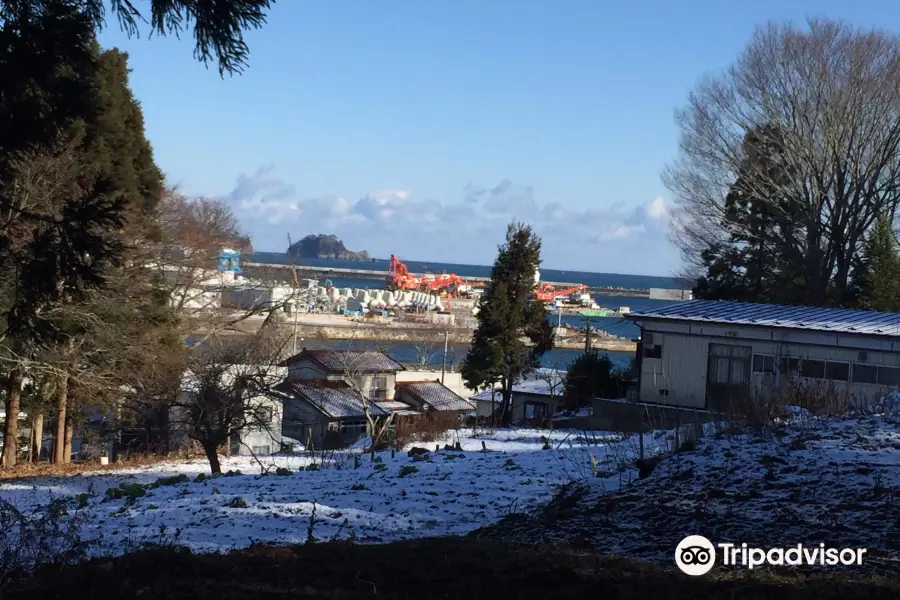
421, 127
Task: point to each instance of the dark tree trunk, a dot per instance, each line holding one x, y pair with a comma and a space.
212, 455
11, 431
61, 395
506, 412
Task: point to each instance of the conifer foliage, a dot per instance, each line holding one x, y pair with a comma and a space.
879, 273
513, 332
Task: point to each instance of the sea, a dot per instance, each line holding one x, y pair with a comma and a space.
557, 358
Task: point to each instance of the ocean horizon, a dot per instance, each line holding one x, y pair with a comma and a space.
614, 325
595, 280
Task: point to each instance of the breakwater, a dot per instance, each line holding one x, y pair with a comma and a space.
337, 328
285, 273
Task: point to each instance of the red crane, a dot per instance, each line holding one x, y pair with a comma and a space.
546, 292
401, 279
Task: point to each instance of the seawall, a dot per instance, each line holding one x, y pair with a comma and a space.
284, 273
430, 335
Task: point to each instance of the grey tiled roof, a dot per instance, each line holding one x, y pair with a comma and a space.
337, 403
839, 320
437, 396
358, 361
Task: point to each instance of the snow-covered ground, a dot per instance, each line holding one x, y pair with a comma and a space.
805, 480
338, 494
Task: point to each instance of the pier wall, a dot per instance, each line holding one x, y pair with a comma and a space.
425, 334
284, 273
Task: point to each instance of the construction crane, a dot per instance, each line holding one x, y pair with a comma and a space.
546, 292
399, 278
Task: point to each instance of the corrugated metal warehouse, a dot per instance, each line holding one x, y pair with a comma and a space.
711, 354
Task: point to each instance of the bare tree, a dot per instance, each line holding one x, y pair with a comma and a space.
228, 390
555, 379
362, 381
827, 96
193, 233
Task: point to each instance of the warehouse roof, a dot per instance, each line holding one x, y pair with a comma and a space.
836, 320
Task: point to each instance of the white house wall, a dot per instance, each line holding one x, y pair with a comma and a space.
682, 370
256, 440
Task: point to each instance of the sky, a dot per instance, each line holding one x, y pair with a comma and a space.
423, 127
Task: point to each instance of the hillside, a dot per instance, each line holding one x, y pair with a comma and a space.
805, 480
324, 246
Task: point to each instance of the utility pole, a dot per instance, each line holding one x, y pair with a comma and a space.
294, 306
587, 335
444, 359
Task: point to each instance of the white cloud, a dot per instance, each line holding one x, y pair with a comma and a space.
657, 209
468, 230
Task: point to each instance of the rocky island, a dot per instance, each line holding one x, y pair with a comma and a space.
324, 246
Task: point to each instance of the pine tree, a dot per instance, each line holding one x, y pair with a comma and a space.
592, 375
217, 27
879, 274
104, 353
79, 203
760, 258
513, 332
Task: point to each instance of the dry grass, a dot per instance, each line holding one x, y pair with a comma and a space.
424, 569
47, 469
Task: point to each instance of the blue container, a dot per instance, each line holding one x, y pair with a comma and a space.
229, 260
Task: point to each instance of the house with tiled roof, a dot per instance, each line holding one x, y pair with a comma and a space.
371, 372
325, 414
327, 393
432, 396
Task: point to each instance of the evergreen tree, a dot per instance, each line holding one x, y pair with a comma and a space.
104, 353
760, 258
592, 375
513, 332
878, 275
80, 203
217, 26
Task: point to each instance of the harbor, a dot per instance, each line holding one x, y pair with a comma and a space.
286, 273
456, 326
316, 303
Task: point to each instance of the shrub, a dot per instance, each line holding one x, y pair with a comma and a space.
592, 375
173, 480
283, 472
129, 491
356, 487
237, 502
407, 470
48, 535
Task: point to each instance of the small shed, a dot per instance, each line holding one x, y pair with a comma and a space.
717, 355
533, 400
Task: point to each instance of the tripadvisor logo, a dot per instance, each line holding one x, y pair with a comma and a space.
696, 555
